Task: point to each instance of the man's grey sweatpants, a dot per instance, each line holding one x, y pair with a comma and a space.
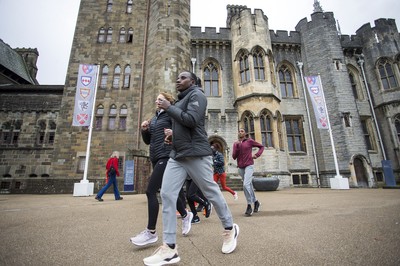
201, 172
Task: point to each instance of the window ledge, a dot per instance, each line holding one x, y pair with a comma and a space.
298, 153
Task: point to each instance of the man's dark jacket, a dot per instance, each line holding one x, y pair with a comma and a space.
189, 137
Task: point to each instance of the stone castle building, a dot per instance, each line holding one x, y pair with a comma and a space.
253, 78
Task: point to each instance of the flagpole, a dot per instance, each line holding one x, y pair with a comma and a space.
91, 127
300, 65
338, 182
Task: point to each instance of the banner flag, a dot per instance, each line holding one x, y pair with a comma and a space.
84, 97
314, 88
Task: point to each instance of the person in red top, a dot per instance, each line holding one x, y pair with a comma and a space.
112, 173
243, 153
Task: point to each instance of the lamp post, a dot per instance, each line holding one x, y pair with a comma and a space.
193, 63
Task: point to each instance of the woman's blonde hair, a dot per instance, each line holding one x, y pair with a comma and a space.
168, 97
115, 154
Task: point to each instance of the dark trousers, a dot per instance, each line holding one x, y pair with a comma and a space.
194, 194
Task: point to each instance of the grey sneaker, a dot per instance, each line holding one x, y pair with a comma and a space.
257, 206
187, 223
144, 238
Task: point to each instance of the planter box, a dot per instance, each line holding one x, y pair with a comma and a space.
266, 183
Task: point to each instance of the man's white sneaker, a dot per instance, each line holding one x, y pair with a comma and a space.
235, 196
230, 239
187, 223
144, 238
162, 256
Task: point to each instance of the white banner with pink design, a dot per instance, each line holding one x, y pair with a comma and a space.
85, 93
314, 87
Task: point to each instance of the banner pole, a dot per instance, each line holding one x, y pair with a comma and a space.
338, 182
91, 126
300, 65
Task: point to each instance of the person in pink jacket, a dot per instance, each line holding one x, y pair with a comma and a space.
243, 153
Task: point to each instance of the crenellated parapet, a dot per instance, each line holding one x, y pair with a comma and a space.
351, 44
283, 36
210, 33
281, 39
384, 28
317, 19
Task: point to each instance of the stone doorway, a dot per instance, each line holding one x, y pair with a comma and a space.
361, 172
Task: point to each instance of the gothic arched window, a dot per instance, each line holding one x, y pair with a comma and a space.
244, 68
211, 80
286, 82
387, 75
101, 37
122, 35
129, 6
127, 76
258, 60
112, 117
104, 77
248, 124
109, 5
109, 35
130, 35
266, 130
117, 77
122, 117
99, 117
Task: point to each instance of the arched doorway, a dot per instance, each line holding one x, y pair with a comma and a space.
361, 173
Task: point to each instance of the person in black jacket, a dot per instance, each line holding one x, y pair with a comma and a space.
191, 156
153, 135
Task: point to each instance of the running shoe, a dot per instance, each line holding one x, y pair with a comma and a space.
196, 220
187, 223
162, 256
249, 210
144, 238
257, 206
230, 239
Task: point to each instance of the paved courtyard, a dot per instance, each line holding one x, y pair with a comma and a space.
296, 226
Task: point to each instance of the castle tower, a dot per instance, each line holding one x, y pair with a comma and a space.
167, 49
140, 47
322, 54
252, 49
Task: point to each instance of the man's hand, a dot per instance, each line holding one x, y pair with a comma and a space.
163, 104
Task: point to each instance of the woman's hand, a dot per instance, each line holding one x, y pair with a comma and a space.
145, 125
168, 136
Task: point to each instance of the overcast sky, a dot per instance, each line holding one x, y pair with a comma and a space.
49, 25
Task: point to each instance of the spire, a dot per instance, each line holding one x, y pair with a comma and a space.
317, 6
